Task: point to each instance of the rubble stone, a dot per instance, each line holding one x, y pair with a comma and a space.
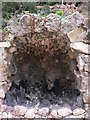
78, 111
30, 113
19, 110
64, 111
43, 111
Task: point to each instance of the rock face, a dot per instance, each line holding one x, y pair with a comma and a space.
48, 51
41, 54
30, 113
69, 23
49, 48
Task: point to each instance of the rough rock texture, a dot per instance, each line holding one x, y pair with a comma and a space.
42, 53
69, 23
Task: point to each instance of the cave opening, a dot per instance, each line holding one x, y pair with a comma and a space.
47, 80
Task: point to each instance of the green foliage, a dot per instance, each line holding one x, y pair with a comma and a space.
52, 3
3, 23
60, 12
45, 10
88, 35
12, 8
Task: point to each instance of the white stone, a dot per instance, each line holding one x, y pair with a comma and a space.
53, 114
2, 93
19, 110
9, 115
80, 63
4, 115
70, 22
30, 113
81, 47
78, 111
64, 111
77, 34
43, 111
86, 58
79, 117
5, 44
87, 67
52, 22
12, 50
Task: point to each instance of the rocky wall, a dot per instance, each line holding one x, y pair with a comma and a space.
44, 47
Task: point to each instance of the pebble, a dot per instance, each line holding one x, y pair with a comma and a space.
30, 113
78, 111
43, 111
9, 115
19, 110
63, 111
3, 108
53, 114
4, 115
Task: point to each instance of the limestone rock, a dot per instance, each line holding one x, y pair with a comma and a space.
78, 111
71, 21
2, 93
12, 50
64, 111
19, 110
43, 111
3, 108
87, 67
80, 63
9, 115
81, 47
86, 58
86, 97
4, 115
25, 20
4, 44
30, 113
52, 22
53, 114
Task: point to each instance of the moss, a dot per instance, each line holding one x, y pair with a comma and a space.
60, 12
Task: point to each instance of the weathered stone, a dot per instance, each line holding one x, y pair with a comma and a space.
85, 84
80, 63
86, 97
3, 108
52, 25
87, 107
43, 111
30, 113
71, 21
12, 50
5, 44
2, 93
86, 74
4, 115
81, 47
9, 115
78, 111
87, 67
86, 58
25, 20
77, 34
53, 114
19, 110
63, 111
